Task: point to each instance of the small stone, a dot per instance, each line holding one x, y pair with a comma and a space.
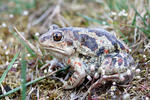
5, 47
11, 16
89, 78
130, 50
135, 98
4, 24
15, 65
134, 87
37, 34
28, 55
122, 13
1, 40
133, 68
114, 97
146, 98
144, 56
113, 88
25, 13
138, 71
7, 52
92, 68
128, 72
126, 96
138, 77
112, 93
45, 71
146, 16
114, 83
122, 78
113, 13
104, 23
96, 75
7, 63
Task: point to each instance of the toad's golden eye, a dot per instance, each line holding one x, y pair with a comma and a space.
57, 36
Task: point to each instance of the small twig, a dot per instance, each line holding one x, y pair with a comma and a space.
137, 43
147, 46
147, 62
29, 94
42, 17
37, 93
135, 34
3, 66
45, 66
55, 12
28, 43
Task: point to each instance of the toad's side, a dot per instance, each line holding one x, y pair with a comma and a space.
90, 52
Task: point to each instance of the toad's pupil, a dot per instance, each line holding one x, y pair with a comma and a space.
57, 36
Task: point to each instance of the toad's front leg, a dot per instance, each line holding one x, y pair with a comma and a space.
78, 76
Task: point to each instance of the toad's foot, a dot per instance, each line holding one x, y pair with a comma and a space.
52, 64
121, 78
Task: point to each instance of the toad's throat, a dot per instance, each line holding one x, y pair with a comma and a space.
57, 50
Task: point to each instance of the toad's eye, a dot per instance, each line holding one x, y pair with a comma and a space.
57, 36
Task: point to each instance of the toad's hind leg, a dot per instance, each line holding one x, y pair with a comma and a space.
118, 63
116, 67
77, 77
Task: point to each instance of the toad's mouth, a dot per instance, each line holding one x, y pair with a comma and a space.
57, 50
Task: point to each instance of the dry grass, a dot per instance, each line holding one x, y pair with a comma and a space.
129, 19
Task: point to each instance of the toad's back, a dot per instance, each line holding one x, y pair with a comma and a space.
94, 41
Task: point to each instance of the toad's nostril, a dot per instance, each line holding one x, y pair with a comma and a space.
69, 42
41, 39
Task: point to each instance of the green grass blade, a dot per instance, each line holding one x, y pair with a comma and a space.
18, 88
117, 5
23, 76
148, 12
145, 31
110, 4
91, 19
25, 45
138, 14
134, 20
8, 68
27, 84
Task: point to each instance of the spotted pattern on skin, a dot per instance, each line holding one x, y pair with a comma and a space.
100, 51
78, 64
69, 42
106, 51
114, 61
88, 42
125, 61
109, 36
101, 33
76, 34
85, 40
120, 61
69, 61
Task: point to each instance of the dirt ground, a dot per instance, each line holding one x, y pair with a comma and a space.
128, 19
